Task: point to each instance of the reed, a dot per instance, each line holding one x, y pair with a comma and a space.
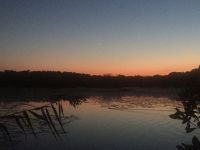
37, 120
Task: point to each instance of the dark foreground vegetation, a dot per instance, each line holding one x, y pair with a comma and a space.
70, 79
189, 116
49, 119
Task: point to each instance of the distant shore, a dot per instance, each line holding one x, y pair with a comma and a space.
56, 79
24, 94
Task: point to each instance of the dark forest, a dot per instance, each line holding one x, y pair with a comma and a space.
54, 79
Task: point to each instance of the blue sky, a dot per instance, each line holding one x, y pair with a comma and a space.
108, 36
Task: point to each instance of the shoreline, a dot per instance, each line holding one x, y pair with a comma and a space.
24, 94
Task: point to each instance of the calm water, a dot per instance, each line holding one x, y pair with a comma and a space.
95, 123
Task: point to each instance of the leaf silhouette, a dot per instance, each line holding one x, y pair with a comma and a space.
48, 123
180, 147
62, 109
51, 122
37, 115
59, 108
57, 117
17, 118
195, 142
5, 129
198, 124
29, 122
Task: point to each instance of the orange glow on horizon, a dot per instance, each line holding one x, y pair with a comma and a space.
145, 71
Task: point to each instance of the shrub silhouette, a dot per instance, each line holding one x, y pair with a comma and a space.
71, 79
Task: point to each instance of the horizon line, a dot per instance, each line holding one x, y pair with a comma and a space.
104, 74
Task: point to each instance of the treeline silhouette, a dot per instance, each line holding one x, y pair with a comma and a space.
56, 79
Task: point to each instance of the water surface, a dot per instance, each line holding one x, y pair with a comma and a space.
123, 122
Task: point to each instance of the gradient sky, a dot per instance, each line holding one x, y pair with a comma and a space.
128, 37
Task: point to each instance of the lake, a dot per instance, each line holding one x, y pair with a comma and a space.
109, 120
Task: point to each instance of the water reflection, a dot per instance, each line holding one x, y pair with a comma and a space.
45, 119
194, 146
110, 121
189, 115
134, 103
76, 101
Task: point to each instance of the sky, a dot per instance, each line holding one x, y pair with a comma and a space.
129, 37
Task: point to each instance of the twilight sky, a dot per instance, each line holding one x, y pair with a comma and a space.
100, 36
